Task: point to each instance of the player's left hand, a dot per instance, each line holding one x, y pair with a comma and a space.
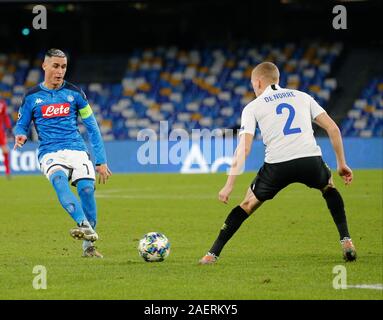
224, 194
103, 173
346, 173
19, 141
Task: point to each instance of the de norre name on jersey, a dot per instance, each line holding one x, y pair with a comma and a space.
279, 95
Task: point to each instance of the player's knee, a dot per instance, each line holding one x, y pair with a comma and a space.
58, 179
329, 186
335, 204
329, 191
249, 206
87, 191
333, 198
85, 188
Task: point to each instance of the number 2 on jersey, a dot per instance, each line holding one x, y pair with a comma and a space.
287, 128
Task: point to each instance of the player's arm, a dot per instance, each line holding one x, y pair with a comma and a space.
248, 124
241, 153
24, 119
325, 122
89, 121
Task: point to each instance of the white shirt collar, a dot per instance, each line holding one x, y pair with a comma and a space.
270, 88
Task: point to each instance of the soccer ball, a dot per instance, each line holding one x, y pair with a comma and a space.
154, 247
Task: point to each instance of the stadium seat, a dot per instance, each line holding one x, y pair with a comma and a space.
365, 119
197, 88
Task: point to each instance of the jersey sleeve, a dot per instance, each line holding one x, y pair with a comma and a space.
315, 108
81, 100
248, 122
24, 118
90, 123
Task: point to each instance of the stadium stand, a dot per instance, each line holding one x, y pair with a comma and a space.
191, 89
16, 76
365, 119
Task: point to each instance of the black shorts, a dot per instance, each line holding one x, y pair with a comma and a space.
273, 177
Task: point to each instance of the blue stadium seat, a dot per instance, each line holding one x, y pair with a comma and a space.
164, 83
369, 109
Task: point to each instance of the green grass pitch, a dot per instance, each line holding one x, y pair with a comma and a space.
286, 250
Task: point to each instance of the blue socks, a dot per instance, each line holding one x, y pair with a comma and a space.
86, 210
85, 189
66, 197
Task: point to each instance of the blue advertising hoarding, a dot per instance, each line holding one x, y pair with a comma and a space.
197, 156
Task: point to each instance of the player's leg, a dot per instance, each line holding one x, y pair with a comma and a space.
263, 187
335, 204
83, 177
5, 150
232, 223
270, 179
59, 180
85, 189
57, 171
318, 175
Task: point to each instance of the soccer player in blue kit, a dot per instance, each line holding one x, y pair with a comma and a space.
54, 106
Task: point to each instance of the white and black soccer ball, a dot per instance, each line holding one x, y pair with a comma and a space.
154, 247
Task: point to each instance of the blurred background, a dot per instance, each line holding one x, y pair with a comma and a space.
189, 63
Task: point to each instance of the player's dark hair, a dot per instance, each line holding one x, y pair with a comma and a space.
55, 53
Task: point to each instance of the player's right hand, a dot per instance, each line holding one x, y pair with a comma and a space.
19, 141
224, 194
346, 173
103, 173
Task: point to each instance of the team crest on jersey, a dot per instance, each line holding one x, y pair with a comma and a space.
70, 98
49, 161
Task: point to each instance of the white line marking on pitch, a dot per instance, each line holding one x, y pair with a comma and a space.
377, 286
150, 196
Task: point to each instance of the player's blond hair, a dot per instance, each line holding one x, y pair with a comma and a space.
267, 71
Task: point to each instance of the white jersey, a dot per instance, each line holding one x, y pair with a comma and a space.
284, 117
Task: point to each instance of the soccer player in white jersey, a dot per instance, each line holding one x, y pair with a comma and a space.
284, 117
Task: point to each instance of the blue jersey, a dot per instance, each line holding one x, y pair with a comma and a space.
54, 114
